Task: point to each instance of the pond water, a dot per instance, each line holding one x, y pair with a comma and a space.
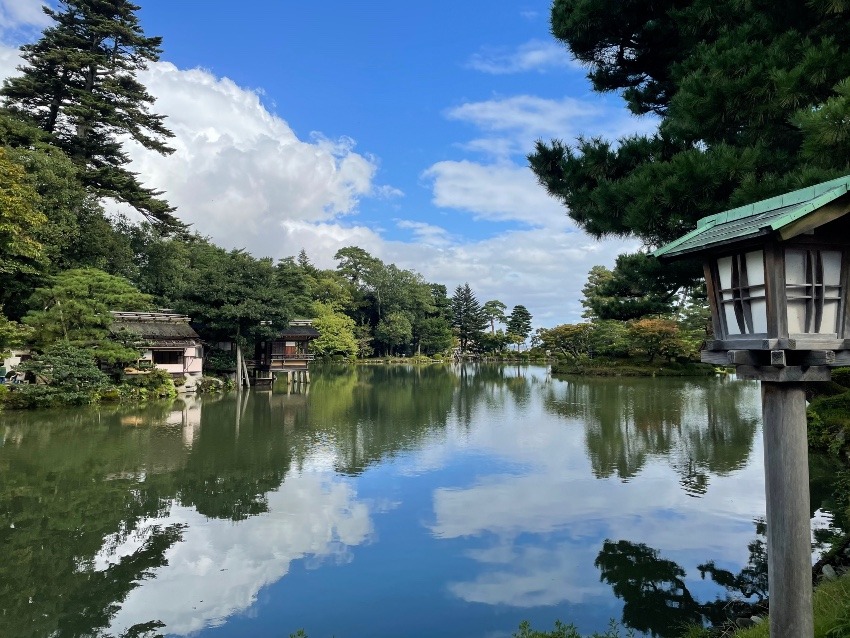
382, 501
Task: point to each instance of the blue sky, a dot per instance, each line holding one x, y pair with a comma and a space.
398, 127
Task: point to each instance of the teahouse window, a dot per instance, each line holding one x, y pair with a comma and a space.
813, 288
742, 293
168, 357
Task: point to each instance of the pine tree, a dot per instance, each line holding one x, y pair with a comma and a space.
79, 85
753, 101
468, 319
519, 323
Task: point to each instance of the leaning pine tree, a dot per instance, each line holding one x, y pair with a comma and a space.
79, 85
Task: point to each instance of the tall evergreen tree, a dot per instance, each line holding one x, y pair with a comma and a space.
468, 318
79, 85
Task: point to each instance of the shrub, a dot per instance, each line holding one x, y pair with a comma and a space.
156, 384
66, 375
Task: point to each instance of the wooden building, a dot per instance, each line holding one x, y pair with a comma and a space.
168, 343
288, 353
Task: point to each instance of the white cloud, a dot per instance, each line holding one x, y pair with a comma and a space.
514, 123
535, 55
426, 234
21, 16
239, 172
496, 192
240, 175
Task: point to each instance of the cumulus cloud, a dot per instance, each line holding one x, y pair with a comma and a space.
241, 175
497, 192
535, 55
239, 171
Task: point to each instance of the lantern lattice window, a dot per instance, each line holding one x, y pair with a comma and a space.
813, 289
742, 293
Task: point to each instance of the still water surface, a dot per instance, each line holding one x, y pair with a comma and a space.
384, 501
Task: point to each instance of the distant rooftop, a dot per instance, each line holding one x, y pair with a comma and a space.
160, 328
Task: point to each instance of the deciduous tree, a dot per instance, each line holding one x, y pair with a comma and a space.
570, 339
653, 336
20, 220
336, 332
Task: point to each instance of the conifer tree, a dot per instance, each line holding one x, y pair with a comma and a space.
752, 97
468, 318
519, 323
79, 85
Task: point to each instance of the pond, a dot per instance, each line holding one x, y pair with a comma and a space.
382, 501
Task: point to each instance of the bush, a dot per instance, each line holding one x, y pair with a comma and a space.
217, 360
569, 631
156, 384
829, 423
67, 375
841, 376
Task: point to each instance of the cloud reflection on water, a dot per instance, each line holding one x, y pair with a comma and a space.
219, 567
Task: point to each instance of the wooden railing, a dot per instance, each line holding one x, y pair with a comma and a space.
293, 357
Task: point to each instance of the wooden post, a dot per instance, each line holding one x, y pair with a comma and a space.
789, 551
245, 370
238, 361
238, 367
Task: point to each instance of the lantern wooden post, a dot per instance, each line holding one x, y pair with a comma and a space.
786, 471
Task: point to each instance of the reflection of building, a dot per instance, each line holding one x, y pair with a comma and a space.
186, 414
168, 342
288, 352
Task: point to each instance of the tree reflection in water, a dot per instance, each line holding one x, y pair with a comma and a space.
702, 426
656, 599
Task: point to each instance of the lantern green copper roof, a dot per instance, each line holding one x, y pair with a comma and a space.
753, 220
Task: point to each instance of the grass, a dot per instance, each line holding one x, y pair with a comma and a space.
832, 612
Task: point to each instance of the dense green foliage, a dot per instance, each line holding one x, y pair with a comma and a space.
75, 307
752, 99
20, 219
519, 324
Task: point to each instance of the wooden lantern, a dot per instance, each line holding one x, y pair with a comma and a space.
777, 274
